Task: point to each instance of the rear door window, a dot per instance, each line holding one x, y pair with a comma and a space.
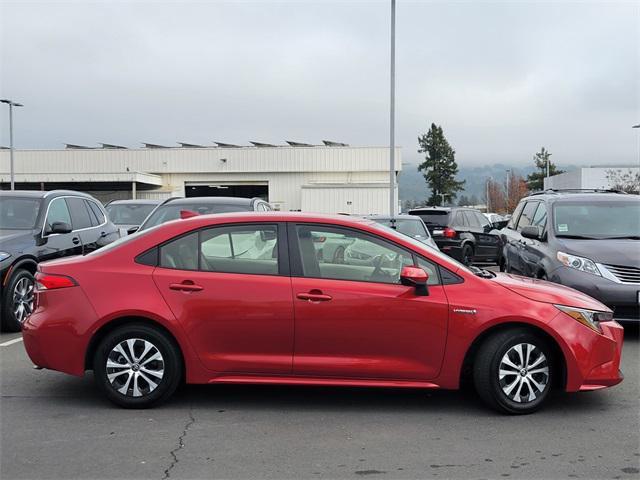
249, 249
79, 214
97, 217
181, 253
472, 221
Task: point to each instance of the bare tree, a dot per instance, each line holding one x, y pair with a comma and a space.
627, 182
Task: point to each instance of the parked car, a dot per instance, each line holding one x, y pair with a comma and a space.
37, 226
463, 233
410, 225
154, 309
170, 209
587, 241
129, 214
497, 221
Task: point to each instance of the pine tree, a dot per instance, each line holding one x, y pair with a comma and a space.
535, 181
439, 168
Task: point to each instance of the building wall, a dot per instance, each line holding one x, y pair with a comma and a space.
591, 177
286, 170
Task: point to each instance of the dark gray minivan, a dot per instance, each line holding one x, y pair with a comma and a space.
587, 241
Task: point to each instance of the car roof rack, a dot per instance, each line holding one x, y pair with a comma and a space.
555, 191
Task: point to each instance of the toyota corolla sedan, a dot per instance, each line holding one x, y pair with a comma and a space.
187, 301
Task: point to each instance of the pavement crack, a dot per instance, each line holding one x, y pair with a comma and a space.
174, 453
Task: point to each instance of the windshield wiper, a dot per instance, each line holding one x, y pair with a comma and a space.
481, 272
579, 237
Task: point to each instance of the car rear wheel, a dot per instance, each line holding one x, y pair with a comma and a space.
513, 371
18, 300
137, 366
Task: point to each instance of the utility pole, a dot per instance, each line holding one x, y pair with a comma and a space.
392, 114
506, 202
11, 104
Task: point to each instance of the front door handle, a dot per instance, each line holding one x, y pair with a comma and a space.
186, 286
314, 297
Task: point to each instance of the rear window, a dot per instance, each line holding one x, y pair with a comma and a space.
433, 217
171, 211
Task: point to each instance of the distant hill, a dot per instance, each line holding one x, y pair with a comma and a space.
413, 187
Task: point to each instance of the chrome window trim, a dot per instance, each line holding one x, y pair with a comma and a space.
44, 222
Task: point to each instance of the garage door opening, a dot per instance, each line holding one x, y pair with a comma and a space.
227, 190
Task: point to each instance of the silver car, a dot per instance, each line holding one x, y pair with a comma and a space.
409, 225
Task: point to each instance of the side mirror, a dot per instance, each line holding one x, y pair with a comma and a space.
500, 225
60, 227
415, 277
184, 214
532, 231
132, 230
266, 235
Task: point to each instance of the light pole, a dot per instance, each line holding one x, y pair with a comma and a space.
488, 200
11, 104
392, 113
638, 126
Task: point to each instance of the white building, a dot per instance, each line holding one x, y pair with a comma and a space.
589, 178
332, 178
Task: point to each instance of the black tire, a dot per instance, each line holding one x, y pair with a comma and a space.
171, 365
467, 255
542, 276
492, 388
10, 322
503, 265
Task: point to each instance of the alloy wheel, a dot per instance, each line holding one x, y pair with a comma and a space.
523, 373
135, 367
23, 299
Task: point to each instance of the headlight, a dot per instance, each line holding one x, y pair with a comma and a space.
589, 318
4, 256
579, 263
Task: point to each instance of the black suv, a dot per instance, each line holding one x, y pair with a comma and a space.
584, 240
462, 233
38, 226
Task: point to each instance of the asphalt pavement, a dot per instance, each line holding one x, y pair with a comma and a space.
57, 426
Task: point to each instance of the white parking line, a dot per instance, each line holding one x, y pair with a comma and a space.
11, 342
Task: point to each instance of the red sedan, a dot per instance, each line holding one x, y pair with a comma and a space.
252, 298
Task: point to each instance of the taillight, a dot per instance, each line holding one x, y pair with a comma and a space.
449, 232
48, 281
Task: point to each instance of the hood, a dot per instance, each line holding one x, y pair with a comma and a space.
14, 241
548, 292
610, 252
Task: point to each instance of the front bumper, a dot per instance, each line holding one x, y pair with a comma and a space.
592, 359
622, 298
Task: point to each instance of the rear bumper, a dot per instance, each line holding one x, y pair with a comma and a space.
620, 297
51, 334
592, 359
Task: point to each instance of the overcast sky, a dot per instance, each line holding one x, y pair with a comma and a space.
502, 78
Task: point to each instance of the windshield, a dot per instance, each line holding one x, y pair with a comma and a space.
411, 228
18, 213
171, 211
434, 217
597, 220
421, 246
129, 213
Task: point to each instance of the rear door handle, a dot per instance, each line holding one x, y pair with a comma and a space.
186, 287
75, 240
314, 297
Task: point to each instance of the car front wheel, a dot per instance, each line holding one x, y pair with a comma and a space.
513, 371
137, 366
18, 300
